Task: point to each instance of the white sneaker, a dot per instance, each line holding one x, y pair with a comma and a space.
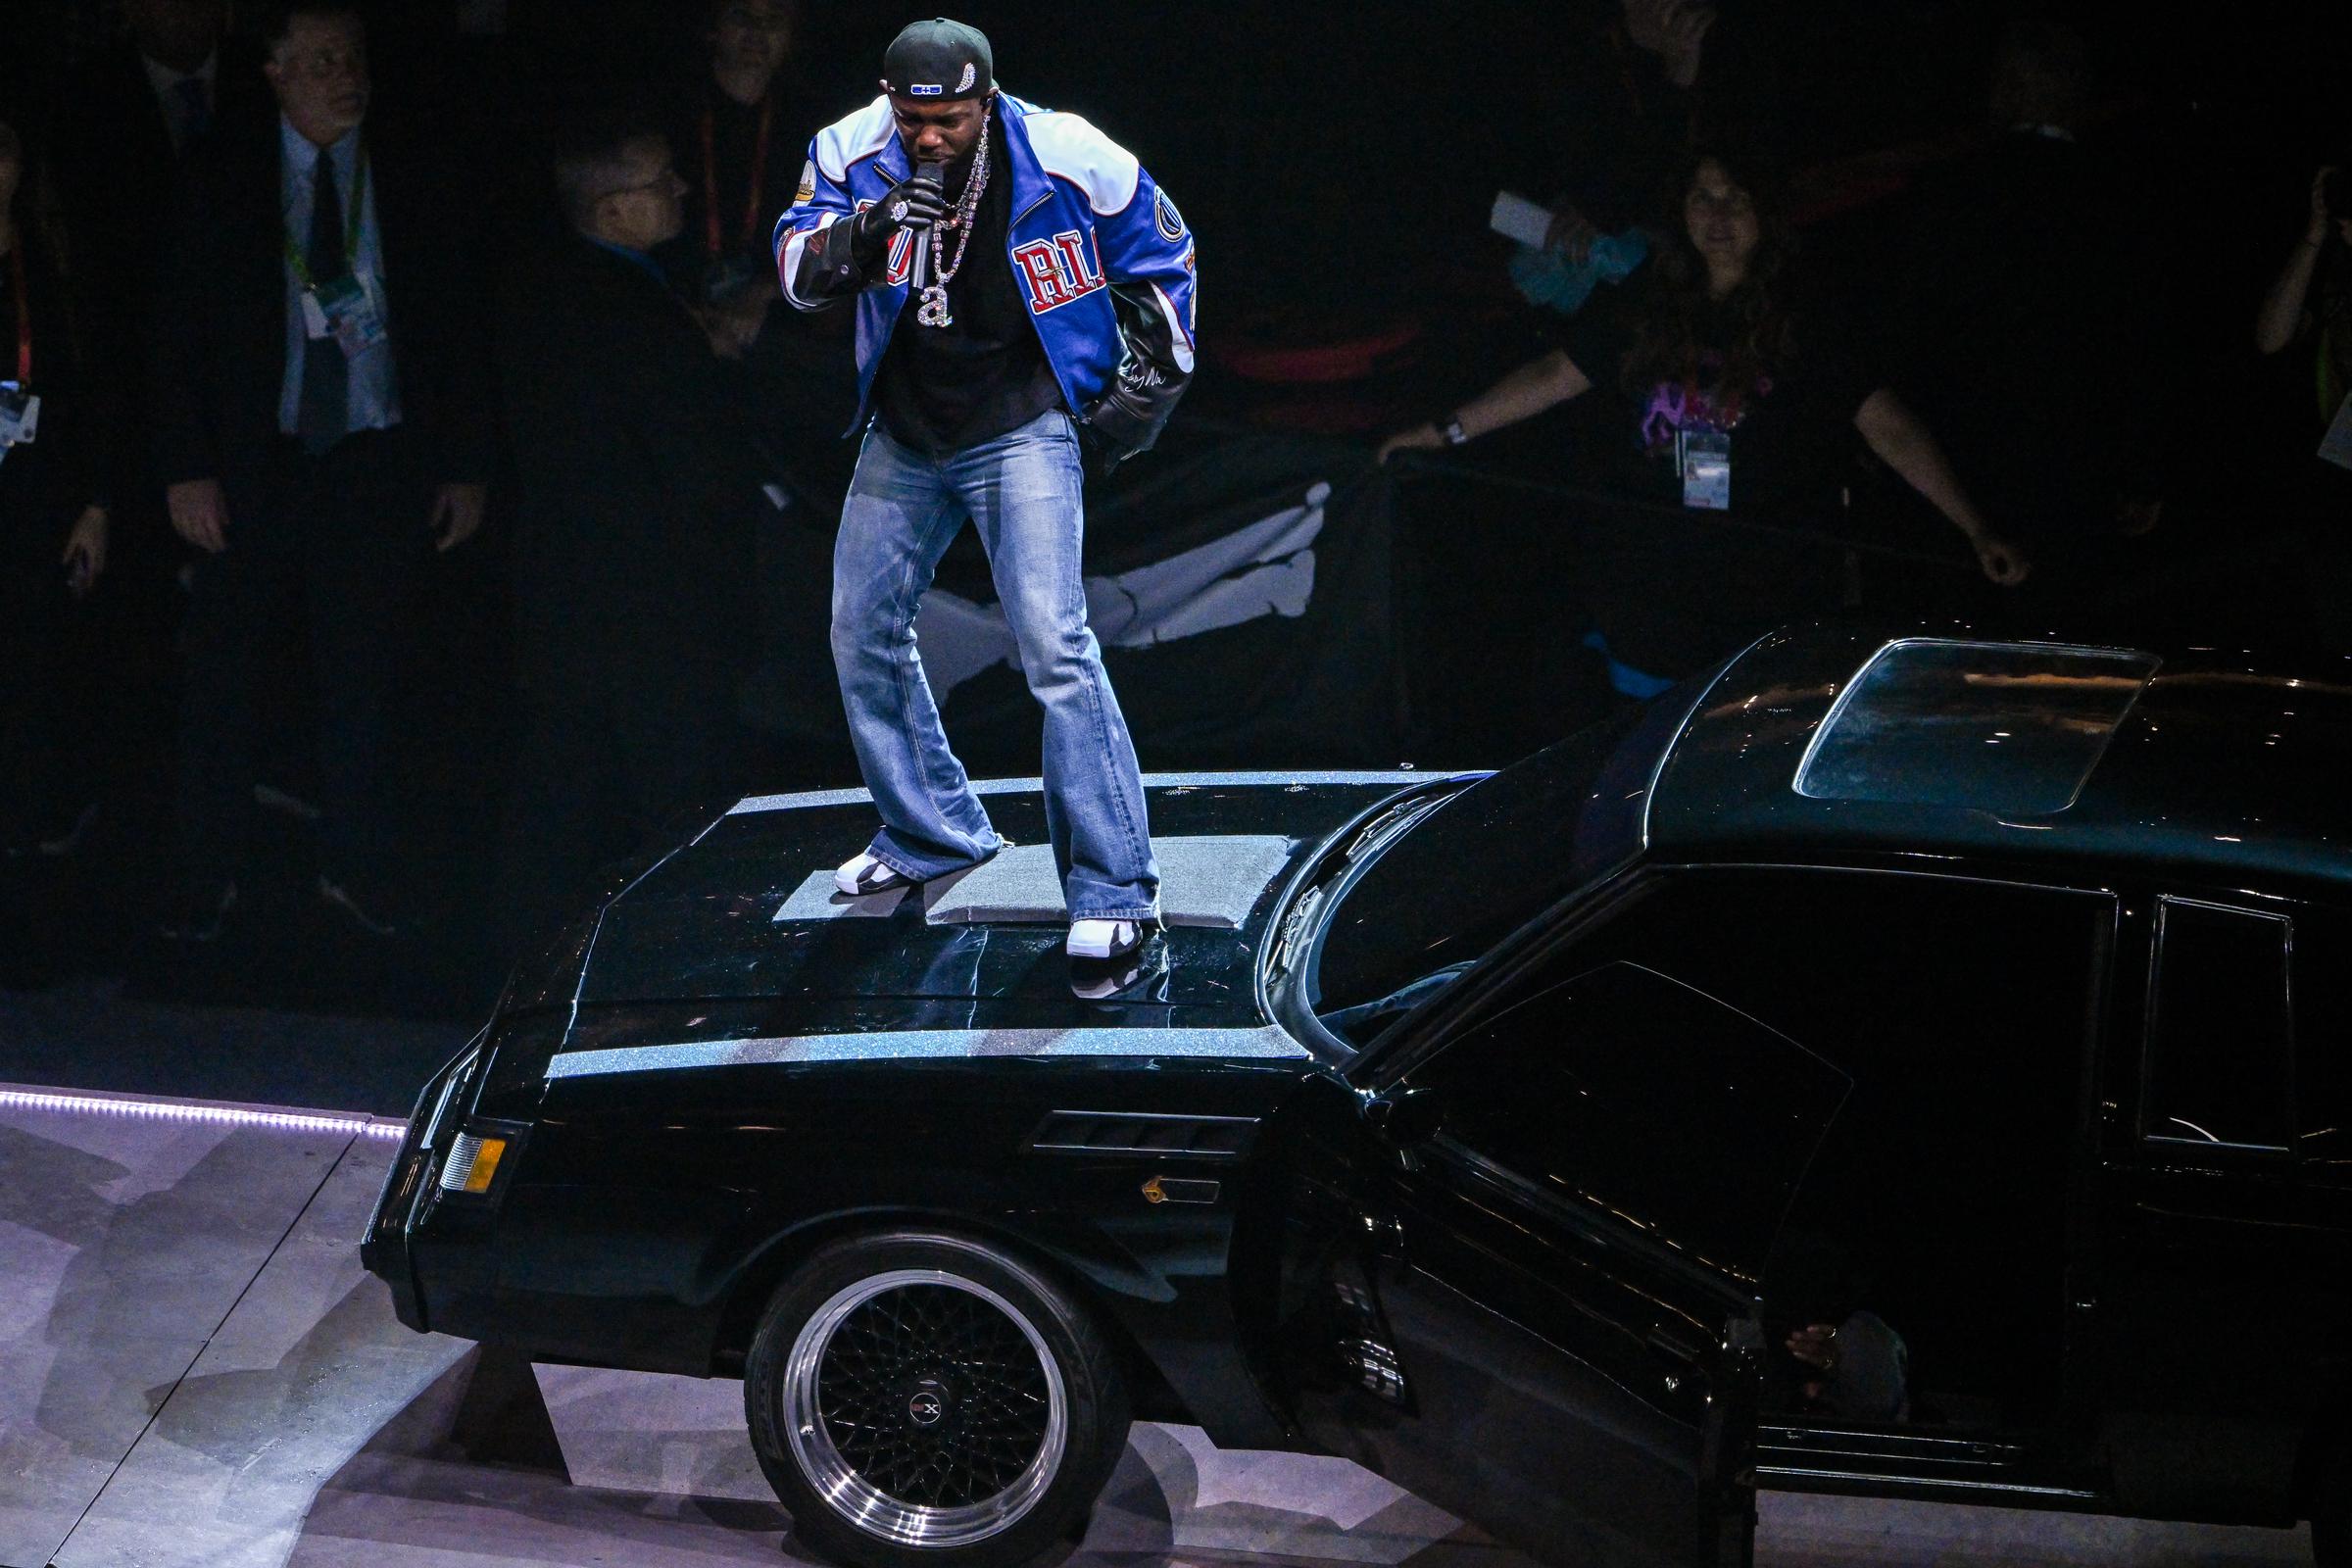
1104, 939
863, 876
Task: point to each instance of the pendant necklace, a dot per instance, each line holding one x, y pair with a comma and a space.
933, 311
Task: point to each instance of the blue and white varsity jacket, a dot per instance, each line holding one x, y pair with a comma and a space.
1100, 250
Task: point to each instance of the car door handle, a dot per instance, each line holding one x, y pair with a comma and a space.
1385, 1234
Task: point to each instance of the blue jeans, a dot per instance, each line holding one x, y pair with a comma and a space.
1023, 491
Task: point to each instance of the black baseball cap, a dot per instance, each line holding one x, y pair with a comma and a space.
939, 60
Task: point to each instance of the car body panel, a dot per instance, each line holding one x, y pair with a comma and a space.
2222, 774
702, 1092
856, 1071
702, 924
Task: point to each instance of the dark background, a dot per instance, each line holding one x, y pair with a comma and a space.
1337, 162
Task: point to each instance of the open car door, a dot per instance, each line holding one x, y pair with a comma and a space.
1520, 1256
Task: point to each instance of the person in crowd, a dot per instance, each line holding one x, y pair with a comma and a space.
1638, 82
1628, 95
733, 129
633, 545
1724, 396
123, 123
735, 157
2310, 302
322, 412
2308, 311
1019, 278
126, 120
2033, 318
54, 526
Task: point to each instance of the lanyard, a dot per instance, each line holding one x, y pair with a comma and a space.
358, 205
16, 278
712, 240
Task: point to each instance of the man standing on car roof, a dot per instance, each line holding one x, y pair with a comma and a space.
1024, 293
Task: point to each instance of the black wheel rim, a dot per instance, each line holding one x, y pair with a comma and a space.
924, 1407
933, 1396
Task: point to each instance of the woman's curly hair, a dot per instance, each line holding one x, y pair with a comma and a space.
1667, 340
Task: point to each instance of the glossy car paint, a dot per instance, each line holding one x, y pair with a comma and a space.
657, 1208
1490, 1344
654, 1210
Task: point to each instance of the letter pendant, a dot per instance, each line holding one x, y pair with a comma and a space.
933, 311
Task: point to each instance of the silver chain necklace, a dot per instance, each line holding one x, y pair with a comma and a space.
933, 311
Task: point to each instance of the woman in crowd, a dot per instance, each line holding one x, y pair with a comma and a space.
1725, 396
2309, 309
2311, 301
53, 527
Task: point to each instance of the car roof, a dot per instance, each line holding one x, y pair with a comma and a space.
2208, 764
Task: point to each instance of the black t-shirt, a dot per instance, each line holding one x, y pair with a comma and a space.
1792, 431
1672, 593
945, 389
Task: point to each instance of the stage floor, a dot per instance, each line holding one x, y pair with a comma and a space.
193, 1370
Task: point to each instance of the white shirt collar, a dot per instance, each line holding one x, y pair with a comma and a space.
302, 154
164, 80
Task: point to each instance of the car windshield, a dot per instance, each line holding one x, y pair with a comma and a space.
1482, 865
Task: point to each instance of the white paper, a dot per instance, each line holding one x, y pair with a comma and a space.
1517, 218
2336, 445
20, 419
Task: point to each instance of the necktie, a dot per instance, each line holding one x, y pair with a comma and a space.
195, 109
325, 417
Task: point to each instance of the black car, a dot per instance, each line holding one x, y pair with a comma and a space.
1907, 1066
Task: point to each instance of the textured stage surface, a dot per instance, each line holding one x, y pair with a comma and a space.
193, 1370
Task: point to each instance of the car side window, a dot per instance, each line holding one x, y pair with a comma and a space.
1962, 1011
2220, 1029
1622, 1090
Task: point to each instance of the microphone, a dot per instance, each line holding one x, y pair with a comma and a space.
934, 175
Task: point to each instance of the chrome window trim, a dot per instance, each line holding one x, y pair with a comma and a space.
2258, 1154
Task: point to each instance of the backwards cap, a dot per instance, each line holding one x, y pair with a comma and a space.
939, 60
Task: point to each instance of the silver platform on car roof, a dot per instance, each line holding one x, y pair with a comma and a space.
1210, 880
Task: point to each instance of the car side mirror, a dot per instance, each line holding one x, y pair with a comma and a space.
1405, 1117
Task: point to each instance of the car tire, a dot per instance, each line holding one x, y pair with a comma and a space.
926, 1400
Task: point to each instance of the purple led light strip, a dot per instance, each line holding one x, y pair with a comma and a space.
216, 1112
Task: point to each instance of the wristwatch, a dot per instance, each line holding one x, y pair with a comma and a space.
1453, 432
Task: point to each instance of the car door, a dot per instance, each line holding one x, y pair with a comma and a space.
2223, 1226
1520, 1252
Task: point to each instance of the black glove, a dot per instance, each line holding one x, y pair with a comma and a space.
1116, 427
914, 202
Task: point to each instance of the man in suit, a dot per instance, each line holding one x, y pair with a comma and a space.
124, 120
633, 547
320, 412
121, 123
